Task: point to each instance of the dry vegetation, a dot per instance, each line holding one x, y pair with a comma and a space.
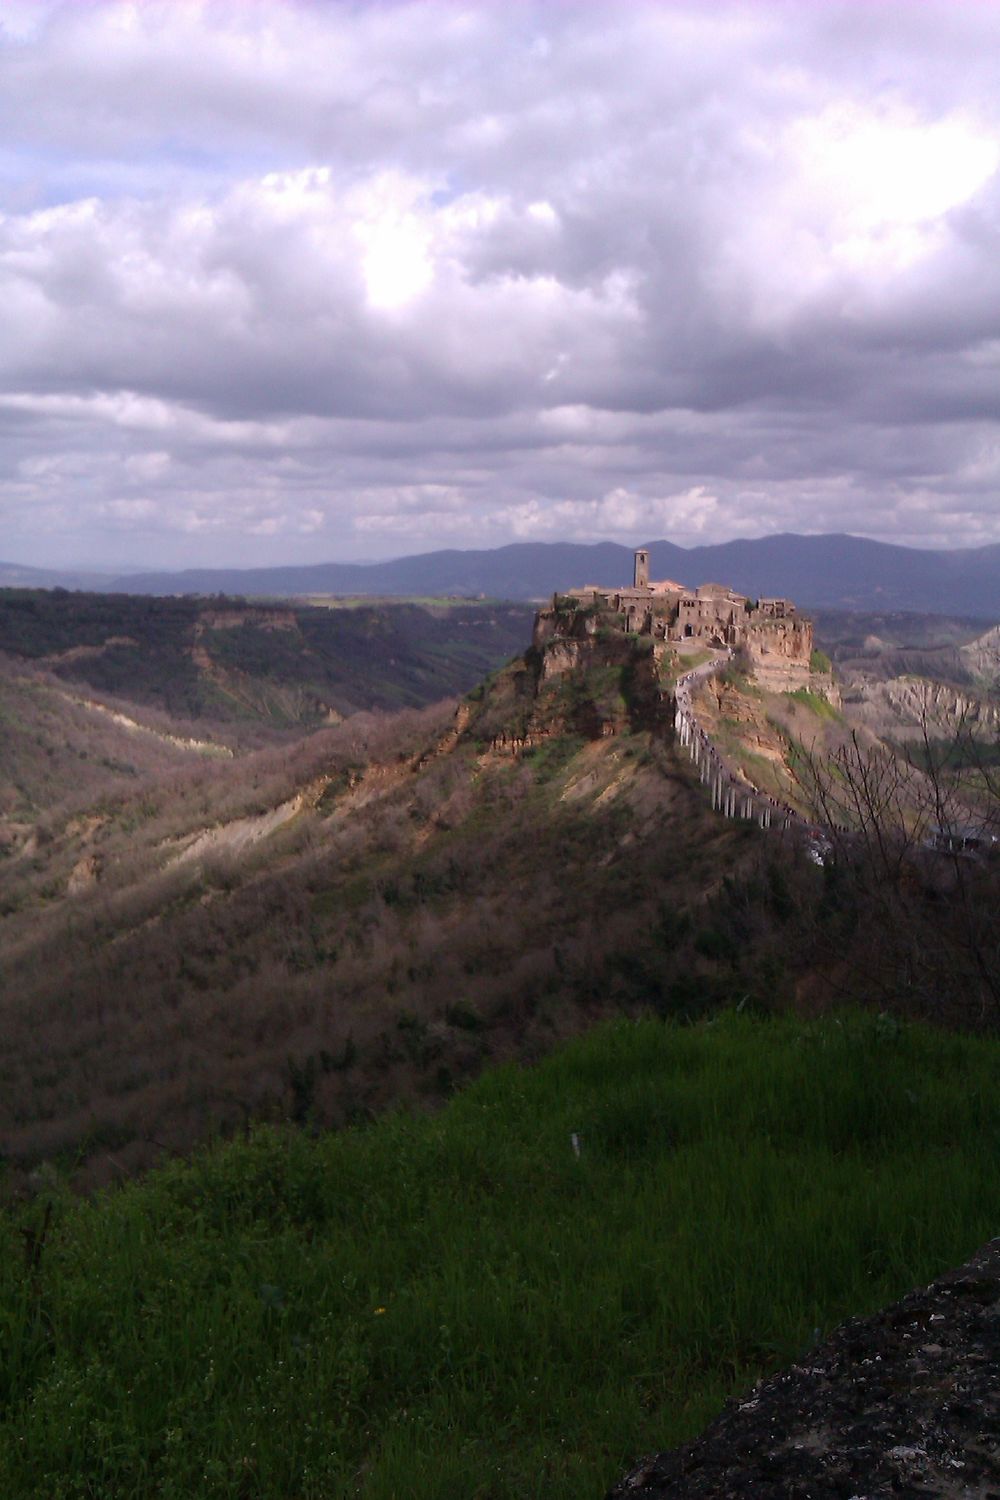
424, 902
909, 917
310, 930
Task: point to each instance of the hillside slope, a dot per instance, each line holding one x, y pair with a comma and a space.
564, 1267
374, 912
281, 666
63, 746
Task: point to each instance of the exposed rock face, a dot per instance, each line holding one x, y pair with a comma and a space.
982, 656
907, 706
84, 875
719, 700
231, 619
780, 651
564, 624
906, 1403
203, 747
17, 838
561, 657
578, 678
242, 833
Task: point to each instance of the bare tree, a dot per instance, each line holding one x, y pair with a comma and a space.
913, 873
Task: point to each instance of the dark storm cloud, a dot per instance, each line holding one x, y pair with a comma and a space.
282, 281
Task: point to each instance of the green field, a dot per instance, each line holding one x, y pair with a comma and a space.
462, 1304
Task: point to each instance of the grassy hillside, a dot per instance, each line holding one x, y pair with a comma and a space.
288, 665
472, 1304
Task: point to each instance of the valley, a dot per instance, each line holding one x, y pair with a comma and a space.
274, 666
262, 935
499, 751
207, 921
373, 914
99, 692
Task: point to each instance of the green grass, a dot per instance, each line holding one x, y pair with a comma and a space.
461, 1305
691, 659
815, 702
553, 756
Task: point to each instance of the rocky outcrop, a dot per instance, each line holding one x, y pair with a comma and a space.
561, 657
907, 707
81, 653
84, 875
982, 656
17, 838
231, 619
200, 747
240, 835
780, 651
565, 622
574, 680
905, 1403
722, 702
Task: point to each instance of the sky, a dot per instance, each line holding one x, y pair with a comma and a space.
298, 282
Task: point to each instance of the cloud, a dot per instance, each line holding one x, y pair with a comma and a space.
283, 281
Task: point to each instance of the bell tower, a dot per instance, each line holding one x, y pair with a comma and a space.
641, 569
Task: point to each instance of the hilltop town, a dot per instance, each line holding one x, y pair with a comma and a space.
775, 638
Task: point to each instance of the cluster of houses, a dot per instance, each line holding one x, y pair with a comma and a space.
777, 637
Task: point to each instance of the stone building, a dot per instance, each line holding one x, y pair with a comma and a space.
778, 639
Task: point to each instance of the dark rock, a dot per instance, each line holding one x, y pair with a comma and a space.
903, 1404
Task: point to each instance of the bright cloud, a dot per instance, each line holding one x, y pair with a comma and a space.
880, 183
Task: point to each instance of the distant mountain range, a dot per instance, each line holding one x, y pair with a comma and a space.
832, 572
17, 576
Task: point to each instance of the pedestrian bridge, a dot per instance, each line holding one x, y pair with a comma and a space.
732, 795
